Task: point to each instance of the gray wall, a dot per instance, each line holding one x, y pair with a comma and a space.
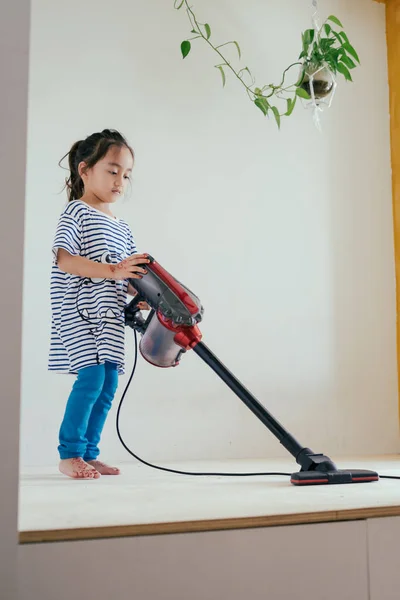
14, 53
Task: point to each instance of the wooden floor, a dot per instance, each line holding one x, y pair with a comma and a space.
143, 501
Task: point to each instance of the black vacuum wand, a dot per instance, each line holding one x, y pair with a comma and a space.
171, 329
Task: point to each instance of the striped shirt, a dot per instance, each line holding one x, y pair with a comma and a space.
88, 325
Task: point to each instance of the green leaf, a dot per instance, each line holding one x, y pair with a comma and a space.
344, 36
305, 41
334, 20
208, 30
245, 69
349, 48
185, 48
308, 37
221, 69
238, 49
302, 93
194, 31
181, 4
347, 61
291, 103
326, 43
344, 71
337, 36
262, 104
277, 116
328, 29
301, 78
332, 65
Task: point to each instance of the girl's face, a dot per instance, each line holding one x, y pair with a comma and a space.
108, 179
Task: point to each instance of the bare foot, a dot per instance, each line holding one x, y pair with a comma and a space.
104, 469
77, 468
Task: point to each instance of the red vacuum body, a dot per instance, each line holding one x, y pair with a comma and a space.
171, 329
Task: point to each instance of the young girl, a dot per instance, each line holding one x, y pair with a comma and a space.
94, 254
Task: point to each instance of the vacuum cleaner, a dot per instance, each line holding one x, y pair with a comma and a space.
172, 329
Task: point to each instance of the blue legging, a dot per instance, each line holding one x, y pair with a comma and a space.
86, 411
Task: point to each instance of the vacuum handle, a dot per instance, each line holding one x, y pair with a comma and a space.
251, 402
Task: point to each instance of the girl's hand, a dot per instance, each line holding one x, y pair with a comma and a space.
132, 292
143, 306
129, 267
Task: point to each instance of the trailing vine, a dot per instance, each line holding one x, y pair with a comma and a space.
320, 47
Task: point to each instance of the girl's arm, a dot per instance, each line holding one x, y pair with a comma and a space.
83, 267
78, 265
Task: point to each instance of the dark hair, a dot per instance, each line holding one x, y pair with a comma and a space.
90, 150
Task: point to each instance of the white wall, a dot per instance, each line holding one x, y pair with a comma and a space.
14, 29
286, 236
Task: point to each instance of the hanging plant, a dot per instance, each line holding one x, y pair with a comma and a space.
328, 48
325, 52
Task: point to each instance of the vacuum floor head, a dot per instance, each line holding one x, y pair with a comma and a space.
334, 477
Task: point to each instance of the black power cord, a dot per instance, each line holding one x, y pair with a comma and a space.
145, 462
84, 281
148, 464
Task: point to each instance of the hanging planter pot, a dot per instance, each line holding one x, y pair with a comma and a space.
319, 82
